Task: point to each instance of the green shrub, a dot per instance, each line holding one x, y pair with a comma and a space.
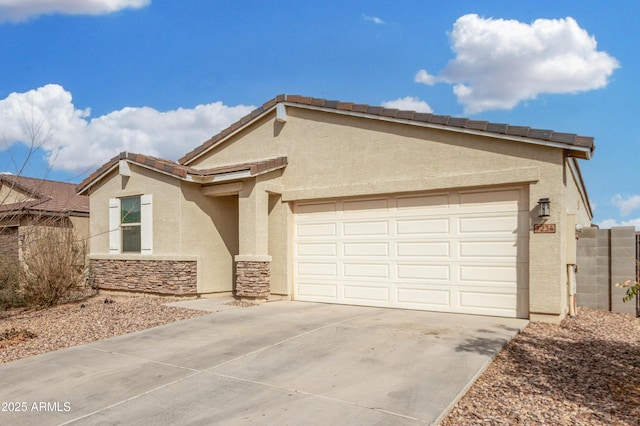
633, 288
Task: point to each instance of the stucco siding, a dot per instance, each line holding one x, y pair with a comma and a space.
209, 229
165, 191
332, 156
186, 224
9, 195
280, 226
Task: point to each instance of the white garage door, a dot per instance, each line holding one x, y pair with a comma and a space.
462, 251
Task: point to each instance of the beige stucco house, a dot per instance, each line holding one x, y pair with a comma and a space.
27, 205
336, 202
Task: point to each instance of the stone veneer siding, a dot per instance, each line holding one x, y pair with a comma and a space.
253, 279
176, 277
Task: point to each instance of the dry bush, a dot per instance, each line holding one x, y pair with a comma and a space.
53, 267
10, 295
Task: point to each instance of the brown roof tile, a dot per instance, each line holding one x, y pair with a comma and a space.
47, 196
518, 130
254, 167
406, 115
476, 125
422, 116
458, 122
439, 119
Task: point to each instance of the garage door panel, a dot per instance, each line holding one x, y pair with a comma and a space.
488, 274
424, 296
463, 251
317, 269
316, 209
487, 301
488, 249
424, 272
365, 207
317, 291
368, 249
367, 270
493, 225
367, 294
316, 230
418, 204
415, 227
316, 249
360, 229
433, 250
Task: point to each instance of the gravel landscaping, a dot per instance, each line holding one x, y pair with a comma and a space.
584, 372
96, 318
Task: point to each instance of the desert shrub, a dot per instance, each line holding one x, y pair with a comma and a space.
10, 295
52, 267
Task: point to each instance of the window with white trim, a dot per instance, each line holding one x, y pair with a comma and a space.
131, 225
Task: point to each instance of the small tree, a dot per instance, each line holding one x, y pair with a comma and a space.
42, 260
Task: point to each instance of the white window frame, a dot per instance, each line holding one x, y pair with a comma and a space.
146, 225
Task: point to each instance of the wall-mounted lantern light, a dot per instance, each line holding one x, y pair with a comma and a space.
543, 207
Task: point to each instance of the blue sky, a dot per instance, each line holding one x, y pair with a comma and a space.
86, 79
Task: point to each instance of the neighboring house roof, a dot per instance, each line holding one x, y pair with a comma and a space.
43, 197
189, 174
579, 146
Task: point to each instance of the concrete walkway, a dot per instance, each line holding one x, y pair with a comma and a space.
284, 363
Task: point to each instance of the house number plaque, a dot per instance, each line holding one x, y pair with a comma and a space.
544, 228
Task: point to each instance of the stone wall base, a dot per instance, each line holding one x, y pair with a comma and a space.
171, 277
253, 280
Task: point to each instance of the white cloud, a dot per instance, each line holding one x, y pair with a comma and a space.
374, 19
408, 103
424, 77
20, 10
76, 143
500, 63
609, 223
626, 205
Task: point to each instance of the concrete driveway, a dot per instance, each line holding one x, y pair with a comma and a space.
284, 363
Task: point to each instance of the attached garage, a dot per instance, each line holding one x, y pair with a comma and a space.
337, 202
458, 251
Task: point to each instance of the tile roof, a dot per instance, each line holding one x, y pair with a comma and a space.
46, 196
455, 123
181, 171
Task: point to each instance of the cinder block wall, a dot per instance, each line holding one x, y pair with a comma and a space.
623, 266
605, 257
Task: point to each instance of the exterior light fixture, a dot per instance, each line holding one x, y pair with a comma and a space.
544, 208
